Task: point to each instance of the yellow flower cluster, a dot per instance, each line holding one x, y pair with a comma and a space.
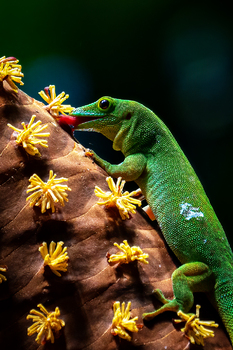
128, 254
47, 193
45, 324
194, 328
2, 277
10, 71
56, 258
55, 106
122, 322
123, 201
29, 136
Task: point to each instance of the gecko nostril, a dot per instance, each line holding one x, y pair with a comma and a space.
128, 116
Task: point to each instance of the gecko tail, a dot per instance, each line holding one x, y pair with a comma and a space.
224, 301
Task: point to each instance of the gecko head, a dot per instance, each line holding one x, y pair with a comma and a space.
128, 124
105, 116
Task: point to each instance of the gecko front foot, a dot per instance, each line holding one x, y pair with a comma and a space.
89, 153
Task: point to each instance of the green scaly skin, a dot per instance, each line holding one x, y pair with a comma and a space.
154, 160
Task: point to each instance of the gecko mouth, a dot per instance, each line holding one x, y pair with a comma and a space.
75, 121
79, 116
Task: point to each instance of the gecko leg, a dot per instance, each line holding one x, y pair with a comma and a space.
130, 169
187, 279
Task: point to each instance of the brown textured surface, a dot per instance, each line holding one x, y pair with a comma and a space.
85, 293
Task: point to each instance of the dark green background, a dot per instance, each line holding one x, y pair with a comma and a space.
176, 57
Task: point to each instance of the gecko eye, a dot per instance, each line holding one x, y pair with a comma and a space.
104, 104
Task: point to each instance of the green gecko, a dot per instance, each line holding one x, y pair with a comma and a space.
154, 160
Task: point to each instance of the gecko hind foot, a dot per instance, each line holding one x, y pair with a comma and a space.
169, 305
149, 212
160, 296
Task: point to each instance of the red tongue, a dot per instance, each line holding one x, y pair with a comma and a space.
74, 121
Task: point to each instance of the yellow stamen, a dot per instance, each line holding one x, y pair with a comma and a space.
10, 71
129, 254
55, 106
123, 201
47, 193
57, 258
2, 277
122, 322
194, 329
45, 324
30, 136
